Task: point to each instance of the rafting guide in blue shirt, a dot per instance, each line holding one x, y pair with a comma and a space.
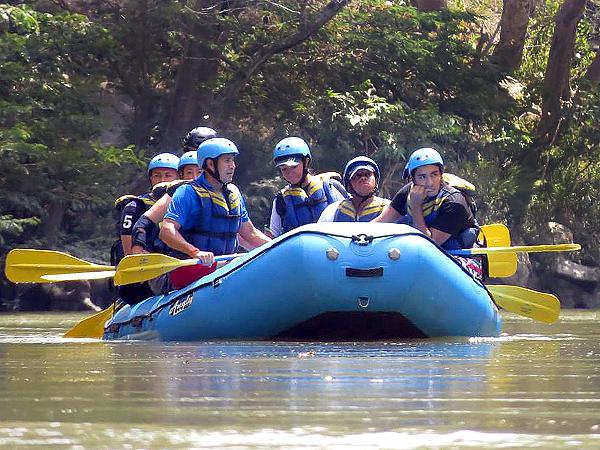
205, 216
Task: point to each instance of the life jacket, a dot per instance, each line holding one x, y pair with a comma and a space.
173, 185
347, 213
145, 202
219, 218
298, 206
466, 238
466, 188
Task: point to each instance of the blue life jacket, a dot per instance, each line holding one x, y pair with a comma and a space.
347, 213
298, 206
219, 218
466, 238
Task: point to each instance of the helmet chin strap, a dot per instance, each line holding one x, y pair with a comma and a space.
363, 198
215, 174
305, 166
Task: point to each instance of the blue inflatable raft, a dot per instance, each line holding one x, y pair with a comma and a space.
327, 281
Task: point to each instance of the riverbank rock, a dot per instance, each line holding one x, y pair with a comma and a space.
68, 296
576, 285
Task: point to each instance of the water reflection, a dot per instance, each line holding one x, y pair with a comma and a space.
535, 385
252, 382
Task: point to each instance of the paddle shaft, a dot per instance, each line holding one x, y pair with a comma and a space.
176, 264
516, 248
138, 268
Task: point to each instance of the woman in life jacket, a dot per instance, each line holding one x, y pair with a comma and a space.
306, 196
361, 180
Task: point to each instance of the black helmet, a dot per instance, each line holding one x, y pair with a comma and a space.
197, 136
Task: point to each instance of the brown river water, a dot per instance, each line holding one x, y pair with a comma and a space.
536, 386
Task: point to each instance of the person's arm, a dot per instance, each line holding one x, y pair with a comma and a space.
129, 216
275, 225
170, 235
396, 209
126, 243
451, 220
145, 225
251, 235
142, 229
328, 214
439, 237
389, 214
158, 210
415, 199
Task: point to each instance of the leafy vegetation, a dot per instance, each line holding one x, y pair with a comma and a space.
379, 78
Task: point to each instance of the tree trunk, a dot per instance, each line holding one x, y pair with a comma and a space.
593, 72
189, 99
55, 212
513, 30
556, 81
555, 91
201, 63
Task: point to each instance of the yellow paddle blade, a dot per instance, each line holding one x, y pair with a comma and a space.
138, 268
502, 264
496, 234
143, 267
30, 265
536, 305
93, 326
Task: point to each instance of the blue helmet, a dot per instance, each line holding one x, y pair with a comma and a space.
163, 161
289, 147
422, 157
215, 147
188, 159
355, 164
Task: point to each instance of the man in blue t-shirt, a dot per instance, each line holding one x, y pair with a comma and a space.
205, 216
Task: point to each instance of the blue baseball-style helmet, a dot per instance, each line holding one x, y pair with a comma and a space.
163, 161
290, 147
215, 147
355, 164
188, 159
422, 157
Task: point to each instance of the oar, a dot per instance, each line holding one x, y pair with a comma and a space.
77, 276
496, 234
92, 326
143, 267
25, 265
517, 248
499, 264
536, 305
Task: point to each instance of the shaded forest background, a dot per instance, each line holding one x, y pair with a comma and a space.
90, 90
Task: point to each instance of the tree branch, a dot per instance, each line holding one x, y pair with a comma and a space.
240, 79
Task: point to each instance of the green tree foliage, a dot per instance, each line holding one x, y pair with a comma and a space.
54, 177
379, 78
